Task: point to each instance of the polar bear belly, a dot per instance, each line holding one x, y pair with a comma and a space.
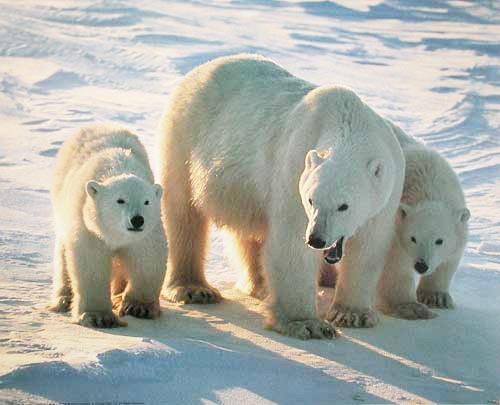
229, 197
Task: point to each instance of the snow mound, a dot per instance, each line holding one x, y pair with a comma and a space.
61, 80
489, 249
182, 372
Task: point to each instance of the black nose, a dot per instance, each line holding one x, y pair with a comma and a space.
316, 243
421, 266
137, 221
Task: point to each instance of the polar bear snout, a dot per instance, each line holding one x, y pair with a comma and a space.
421, 266
137, 221
316, 242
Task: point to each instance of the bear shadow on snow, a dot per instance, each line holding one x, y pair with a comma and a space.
393, 355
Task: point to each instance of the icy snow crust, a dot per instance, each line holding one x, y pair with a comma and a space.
432, 67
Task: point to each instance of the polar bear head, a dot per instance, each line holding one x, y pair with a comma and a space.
340, 193
122, 209
430, 233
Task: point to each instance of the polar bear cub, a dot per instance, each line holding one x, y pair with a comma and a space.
293, 172
109, 238
431, 235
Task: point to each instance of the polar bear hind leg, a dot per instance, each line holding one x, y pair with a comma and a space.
245, 255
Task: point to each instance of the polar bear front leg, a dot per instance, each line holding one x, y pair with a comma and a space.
433, 290
352, 304
61, 286
359, 271
291, 272
144, 267
396, 288
89, 267
187, 233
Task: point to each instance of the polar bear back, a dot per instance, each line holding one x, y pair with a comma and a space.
227, 120
241, 120
89, 146
245, 98
429, 177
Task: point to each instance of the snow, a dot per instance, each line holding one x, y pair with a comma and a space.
433, 67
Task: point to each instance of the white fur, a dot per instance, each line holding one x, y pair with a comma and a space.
95, 249
245, 145
432, 210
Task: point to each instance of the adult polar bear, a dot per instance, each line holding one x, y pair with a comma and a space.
243, 144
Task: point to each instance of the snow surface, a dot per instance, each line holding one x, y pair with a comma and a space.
433, 67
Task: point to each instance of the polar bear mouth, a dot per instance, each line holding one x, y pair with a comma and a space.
135, 229
334, 254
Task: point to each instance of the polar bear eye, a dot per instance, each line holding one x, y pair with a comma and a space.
413, 239
310, 201
343, 207
120, 201
439, 241
146, 202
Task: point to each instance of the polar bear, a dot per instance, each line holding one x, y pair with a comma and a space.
109, 238
431, 235
293, 172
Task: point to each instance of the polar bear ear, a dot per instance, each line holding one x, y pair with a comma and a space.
376, 168
463, 215
158, 190
92, 188
313, 159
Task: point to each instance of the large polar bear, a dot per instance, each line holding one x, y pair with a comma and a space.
108, 228
431, 235
293, 172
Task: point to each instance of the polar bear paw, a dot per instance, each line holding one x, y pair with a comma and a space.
411, 311
150, 310
310, 329
97, 319
349, 317
192, 294
435, 299
306, 329
60, 304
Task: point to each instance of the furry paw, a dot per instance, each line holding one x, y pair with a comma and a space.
60, 304
435, 299
150, 310
410, 311
192, 294
349, 317
100, 320
306, 329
